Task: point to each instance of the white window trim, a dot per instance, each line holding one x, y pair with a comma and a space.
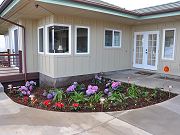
113, 30
88, 28
42, 27
47, 39
164, 30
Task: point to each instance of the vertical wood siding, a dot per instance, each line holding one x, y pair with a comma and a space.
100, 59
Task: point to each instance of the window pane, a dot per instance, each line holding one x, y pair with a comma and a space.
116, 38
41, 40
51, 44
82, 40
169, 44
58, 39
108, 37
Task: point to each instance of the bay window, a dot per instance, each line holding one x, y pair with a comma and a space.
59, 39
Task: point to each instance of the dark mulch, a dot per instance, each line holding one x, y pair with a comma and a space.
126, 105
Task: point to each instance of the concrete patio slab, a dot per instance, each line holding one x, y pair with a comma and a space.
155, 119
116, 127
150, 81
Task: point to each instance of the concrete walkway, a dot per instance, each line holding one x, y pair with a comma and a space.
161, 119
150, 81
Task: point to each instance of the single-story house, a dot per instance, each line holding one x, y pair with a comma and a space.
64, 38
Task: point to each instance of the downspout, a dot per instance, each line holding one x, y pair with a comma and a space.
24, 54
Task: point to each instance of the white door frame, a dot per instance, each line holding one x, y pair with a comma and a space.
145, 46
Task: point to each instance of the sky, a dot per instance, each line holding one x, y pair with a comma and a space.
136, 4
128, 4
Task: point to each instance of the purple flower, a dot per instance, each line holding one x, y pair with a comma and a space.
88, 92
91, 90
31, 88
32, 83
115, 85
98, 77
71, 88
23, 88
28, 93
53, 93
45, 93
49, 96
23, 92
75, 83
106, 91
108, 84
27, 84
109, 94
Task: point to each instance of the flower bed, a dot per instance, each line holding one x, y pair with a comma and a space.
95, 95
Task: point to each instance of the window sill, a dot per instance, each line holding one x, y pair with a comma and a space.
112, 47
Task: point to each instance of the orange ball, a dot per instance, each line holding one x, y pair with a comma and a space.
166, 69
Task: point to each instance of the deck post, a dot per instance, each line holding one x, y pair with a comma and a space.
20, 61
9, 59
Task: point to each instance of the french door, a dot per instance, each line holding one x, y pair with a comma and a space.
146, 46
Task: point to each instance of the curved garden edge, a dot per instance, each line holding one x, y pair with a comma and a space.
95, 95
136, 109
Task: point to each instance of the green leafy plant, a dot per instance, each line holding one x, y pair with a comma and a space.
133, 92
77, 97
80, 87
59, 95
144, 93
155, 92
94, 99
117, 98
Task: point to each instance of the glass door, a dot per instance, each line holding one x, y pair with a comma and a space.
146, 45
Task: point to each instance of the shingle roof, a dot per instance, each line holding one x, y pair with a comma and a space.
165, 8
170, 7
103, 4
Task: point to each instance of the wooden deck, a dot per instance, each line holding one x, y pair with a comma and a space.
6, 71
8, 75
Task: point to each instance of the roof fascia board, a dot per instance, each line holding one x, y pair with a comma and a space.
170, 14
89, 7
10, 6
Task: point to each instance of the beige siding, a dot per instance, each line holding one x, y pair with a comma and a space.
173, 64
100, 59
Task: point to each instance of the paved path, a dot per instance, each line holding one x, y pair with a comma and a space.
161, 119
150, 81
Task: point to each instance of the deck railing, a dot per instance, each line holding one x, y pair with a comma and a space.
11, 60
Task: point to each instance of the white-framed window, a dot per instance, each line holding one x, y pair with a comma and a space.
41, 39
112, 38
82, 40
168, 44
58, 39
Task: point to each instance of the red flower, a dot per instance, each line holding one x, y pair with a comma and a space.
25, 99
75, 105
59, 105
46, 102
